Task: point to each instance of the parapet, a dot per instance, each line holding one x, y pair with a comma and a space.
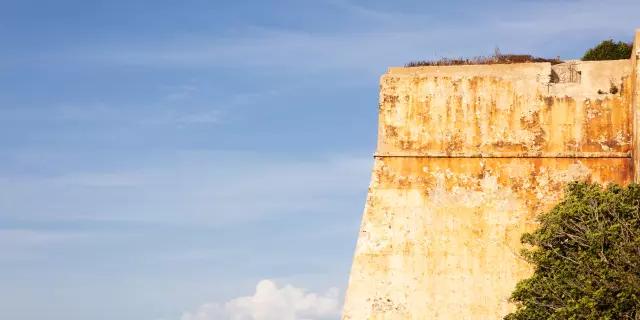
573, 108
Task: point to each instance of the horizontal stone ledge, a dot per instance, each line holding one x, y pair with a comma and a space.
503, 155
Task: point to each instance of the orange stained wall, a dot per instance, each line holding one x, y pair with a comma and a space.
467, 157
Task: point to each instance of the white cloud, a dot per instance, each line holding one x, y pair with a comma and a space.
272, 303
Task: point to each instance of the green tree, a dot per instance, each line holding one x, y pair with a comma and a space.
586, 257
609, 50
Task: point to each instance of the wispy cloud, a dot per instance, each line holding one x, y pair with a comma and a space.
548, 19
176, 105
386, 16
199, 118
187, 256
63, 112
392, 39
210, 188
30, 244
26, 237
180, 92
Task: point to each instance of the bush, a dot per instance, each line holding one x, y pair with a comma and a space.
609, 50
502, 59
586, 257
496, 58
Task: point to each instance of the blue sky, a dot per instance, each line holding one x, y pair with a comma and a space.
160, 159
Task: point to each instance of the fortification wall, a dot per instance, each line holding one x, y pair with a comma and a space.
467, 157
635, 103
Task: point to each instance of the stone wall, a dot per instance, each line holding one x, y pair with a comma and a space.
635, 102
467, 157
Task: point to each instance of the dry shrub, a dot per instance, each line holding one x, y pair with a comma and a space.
496, 58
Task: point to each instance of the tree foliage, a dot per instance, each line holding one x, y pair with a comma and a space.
586, 257
609, 50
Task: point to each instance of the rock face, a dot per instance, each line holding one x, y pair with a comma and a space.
467, 157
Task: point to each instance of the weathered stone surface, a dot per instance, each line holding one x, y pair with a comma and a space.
635, 102
467, 157
504, 108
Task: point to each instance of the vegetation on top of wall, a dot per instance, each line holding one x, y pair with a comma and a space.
609, 50
586, 257
496, 58
606, 50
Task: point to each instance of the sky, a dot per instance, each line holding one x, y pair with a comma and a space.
200, 160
